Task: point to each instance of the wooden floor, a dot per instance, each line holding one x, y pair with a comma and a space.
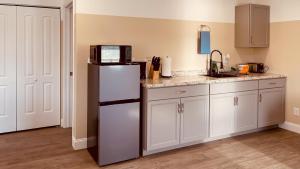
51, 149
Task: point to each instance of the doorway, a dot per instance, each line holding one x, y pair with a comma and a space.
68, 67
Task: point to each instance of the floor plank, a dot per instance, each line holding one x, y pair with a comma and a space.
50, 148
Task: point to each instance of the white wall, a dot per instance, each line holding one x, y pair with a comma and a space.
199, 10
281, 10
50, 3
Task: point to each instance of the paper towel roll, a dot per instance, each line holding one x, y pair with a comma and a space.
166, 67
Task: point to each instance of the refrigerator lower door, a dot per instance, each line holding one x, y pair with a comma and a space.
118, 133
119, 82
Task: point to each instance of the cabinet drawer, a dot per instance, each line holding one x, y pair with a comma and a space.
272, 83
177, 92
220, 88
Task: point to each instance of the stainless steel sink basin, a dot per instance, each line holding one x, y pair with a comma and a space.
224, 75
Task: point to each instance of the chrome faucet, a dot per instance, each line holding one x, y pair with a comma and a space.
211, 61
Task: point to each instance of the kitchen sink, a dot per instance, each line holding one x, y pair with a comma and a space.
224, 75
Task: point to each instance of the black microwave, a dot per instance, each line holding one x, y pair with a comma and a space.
110, 54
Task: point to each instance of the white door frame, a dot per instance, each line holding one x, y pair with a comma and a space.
67, 14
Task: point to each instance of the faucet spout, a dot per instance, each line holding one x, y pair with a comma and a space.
210, 60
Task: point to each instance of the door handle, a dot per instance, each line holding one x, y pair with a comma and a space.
237, 101
234, 101
35, 80
182, 107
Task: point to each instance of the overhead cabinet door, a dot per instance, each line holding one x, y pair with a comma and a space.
252, 25
260, 22
7, 68
38, 67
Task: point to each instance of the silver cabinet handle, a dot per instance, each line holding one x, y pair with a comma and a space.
179, 107
234, 101
237, 101
272, 83
260, 98
182, 107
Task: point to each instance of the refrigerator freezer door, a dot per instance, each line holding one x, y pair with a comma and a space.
118, 133
119, 82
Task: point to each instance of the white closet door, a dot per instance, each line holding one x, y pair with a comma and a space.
38, 71
7, 68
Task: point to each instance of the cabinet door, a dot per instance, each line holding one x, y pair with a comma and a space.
8, 68
194, 119
259, 27
271, 107
38, 63
222, 111
163, 120
246, 114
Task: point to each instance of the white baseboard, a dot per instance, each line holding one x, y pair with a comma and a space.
290, 126
79, 144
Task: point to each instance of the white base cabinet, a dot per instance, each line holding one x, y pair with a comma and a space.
271, 102
194, 119
163, 123
222, 110
246, 111
177, 121
271, 107
181, 116
233, 112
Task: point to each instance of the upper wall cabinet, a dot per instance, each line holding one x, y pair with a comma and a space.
252, 25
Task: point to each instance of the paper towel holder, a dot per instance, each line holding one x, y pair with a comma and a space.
166, 70
204, 40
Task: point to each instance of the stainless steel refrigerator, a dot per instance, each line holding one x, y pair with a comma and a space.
113, 112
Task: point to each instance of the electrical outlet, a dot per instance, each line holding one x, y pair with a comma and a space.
296, 111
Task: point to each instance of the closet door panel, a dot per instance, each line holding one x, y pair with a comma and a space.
38, 67
7, 68
50, 67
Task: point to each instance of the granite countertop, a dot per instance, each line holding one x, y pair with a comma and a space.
201, 79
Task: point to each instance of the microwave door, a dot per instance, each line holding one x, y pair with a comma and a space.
110, 54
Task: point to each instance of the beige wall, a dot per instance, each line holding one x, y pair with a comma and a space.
178, 39
283, 56
149, 37
281, 10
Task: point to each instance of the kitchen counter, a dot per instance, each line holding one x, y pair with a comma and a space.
201, 79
